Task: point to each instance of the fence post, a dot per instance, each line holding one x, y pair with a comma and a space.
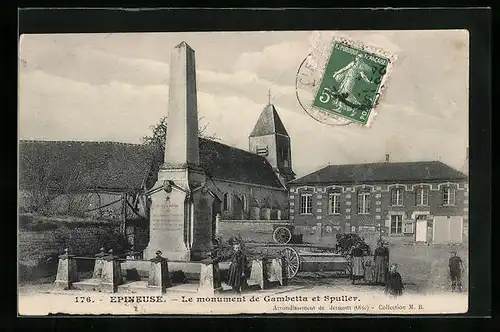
98, 265
210, 280
67, 272
258, 273
276, 270
111, 273
158, 273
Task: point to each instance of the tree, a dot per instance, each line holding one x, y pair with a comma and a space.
156, 141
47, 179
35, 171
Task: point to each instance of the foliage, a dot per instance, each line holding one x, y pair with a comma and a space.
46, 178
156, 141
115, 240
36, 172
346, 241
178, 277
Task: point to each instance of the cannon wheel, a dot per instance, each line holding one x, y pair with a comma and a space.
282, 235
292, 261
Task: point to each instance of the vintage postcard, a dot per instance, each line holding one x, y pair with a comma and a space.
277, 172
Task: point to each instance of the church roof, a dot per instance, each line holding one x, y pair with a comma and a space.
269, 123
382, 172
120, 167
229, 163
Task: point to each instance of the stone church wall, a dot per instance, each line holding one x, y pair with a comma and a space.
236, 191
42, 239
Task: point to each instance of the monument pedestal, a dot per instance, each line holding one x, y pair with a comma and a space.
181, 216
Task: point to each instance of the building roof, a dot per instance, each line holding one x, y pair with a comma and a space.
102, 165
269, 123
382, 172
118, 166
229, 163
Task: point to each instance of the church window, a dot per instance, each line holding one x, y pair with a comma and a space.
306, 204
283, 154
262, 151
244, 202
226, 202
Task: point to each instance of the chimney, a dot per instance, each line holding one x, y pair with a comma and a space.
387, 158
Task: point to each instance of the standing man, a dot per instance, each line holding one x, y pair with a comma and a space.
236, 277
456, 266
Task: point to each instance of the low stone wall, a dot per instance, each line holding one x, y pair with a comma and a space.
39, 248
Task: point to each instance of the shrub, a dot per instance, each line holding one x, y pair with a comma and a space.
113, 239
346, 241
178, 277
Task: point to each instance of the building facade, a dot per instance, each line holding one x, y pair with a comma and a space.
416, 201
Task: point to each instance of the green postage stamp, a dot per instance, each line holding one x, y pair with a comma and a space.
351, 81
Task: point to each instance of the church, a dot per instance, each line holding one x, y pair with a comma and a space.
112, 180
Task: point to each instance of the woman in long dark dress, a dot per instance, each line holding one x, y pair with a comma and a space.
394, 285
381, 262
358, 271
236, 272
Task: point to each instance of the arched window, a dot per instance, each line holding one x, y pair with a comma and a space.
244, 202
225, 202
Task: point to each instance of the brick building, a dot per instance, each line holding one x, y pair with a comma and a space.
416, 201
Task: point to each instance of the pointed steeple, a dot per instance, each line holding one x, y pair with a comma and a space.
269, 123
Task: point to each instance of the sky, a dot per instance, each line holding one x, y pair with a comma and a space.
113, 87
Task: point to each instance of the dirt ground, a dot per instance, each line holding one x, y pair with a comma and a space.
424, 269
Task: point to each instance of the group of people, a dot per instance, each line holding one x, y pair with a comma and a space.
380, 273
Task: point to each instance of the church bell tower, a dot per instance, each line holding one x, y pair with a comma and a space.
270, 139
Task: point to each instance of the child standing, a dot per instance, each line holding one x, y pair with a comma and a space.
368, 272
394, 285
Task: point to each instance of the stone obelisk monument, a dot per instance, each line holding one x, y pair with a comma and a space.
181, 209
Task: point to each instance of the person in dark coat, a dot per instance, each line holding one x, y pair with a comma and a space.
236, 272
357, 263
381, 263
394, 285
456, 265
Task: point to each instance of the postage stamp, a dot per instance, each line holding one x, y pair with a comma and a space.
241, 203
349, 78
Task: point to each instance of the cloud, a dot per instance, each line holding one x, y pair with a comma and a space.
52, 107
278, 62
79, 90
